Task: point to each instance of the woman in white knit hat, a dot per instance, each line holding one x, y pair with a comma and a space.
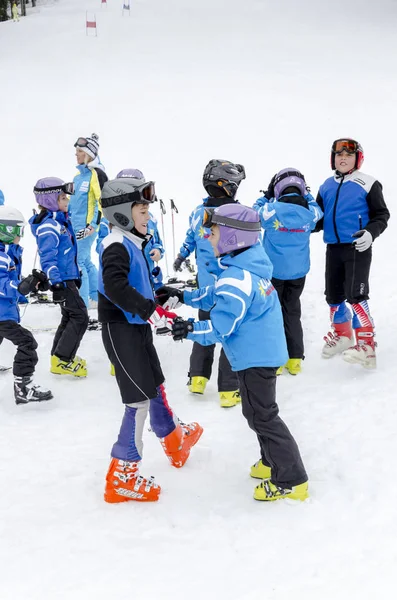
85, 211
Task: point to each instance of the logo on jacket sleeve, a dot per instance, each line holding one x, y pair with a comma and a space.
265, 287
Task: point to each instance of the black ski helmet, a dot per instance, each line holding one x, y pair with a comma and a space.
222, 178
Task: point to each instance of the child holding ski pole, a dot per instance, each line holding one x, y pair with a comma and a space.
221, 180
246, 318
355, 214
57, 248
126, 309
25, 390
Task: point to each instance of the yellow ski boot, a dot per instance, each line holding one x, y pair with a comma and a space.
112, 371
280, 371
229, 399
294, 366
268, 492
197, 384
72, 367
260, 471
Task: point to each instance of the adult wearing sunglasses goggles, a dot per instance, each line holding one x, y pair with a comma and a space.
355, 214
221, 180
126, 308
85, 211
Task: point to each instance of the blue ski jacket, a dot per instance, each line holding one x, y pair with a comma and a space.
84, 205
8, 287
286, 237
246, 314
197, 241
350, 203
56, 244
138, 275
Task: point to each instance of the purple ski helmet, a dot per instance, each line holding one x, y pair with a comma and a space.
289, 178
132, 173
47, 191
239, 227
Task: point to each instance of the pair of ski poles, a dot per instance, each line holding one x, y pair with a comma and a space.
174, 211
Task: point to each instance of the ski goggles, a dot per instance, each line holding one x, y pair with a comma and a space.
343, 145
82, 143
211, 218
144, 194
67, 188
9, 232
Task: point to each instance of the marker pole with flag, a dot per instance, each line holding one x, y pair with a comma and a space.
90, 23
126, 7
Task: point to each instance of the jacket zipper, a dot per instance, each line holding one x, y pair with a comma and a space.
335, 206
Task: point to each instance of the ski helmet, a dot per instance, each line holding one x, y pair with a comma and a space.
351, 147
239, 226
289, 178
47, 191
132, 173
222, 178
12, 223
119, 196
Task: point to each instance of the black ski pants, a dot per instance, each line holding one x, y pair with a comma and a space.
278, 448
289, 293
201, 360
26, 358
73, 324
347, 274
137, 367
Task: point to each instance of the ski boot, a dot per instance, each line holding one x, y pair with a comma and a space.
123, 483
338, 340
197, 384
268, 492
260, 471
363, 353
294, 366
112, 371
180, 441
280, 370
229, 399
94, 325
26, 391
76, 367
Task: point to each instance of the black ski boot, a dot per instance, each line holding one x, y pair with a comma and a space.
26, 391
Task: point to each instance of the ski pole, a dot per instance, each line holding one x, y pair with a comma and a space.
173, 210
163, 212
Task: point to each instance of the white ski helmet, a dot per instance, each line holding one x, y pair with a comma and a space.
12, 223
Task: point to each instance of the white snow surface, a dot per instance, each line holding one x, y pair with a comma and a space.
267, 84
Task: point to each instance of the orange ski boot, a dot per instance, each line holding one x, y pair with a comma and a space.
178, 443
123, 483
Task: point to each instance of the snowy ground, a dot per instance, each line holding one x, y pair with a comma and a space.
268, 84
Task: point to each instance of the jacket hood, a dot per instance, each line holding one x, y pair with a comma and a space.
253, 259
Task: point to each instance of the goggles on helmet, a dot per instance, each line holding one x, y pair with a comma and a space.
211, 218
291, 173
9, 232
144, 194
67, 188
343, 145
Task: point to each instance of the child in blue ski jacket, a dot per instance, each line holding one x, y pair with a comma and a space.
221, 180
57, 249
245, 316
25, 390
288, 214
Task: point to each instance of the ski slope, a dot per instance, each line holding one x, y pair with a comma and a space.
270, 85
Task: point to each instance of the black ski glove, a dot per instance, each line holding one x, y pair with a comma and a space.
165, 293
178, 263
58, 293
181, 328
269, 194
38, 280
